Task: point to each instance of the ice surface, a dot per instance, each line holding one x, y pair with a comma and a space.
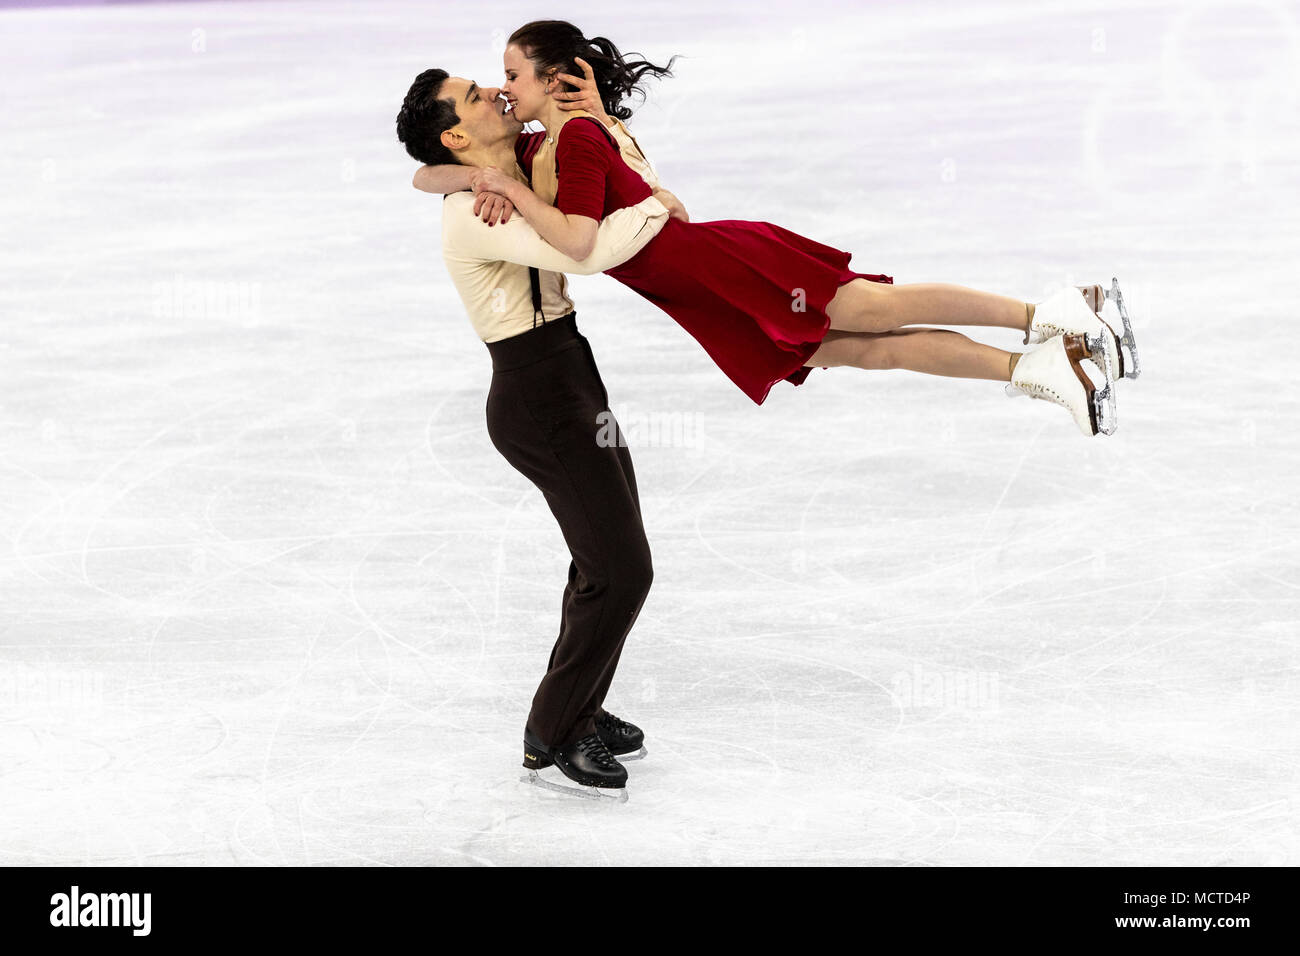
269, 594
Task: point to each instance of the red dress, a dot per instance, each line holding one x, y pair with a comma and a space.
735, 286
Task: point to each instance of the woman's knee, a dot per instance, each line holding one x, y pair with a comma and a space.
875, 351
862, 306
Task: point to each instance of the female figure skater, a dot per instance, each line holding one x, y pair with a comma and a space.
765, 303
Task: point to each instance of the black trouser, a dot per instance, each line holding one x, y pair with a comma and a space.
542, 415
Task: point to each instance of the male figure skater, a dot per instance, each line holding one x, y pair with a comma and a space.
542, 409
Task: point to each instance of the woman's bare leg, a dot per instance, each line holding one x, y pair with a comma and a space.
931, 351
865, 306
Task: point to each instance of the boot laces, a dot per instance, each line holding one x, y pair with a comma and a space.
592, 746
610, 723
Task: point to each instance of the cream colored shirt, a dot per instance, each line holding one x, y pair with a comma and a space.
489, 264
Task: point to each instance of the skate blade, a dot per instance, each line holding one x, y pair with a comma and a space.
1103, 399
1131, 367
605, 795
638, 755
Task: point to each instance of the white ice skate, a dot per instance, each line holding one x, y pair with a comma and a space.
1053, 371
1068, 313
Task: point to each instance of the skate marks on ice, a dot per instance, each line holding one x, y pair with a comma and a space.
273, 597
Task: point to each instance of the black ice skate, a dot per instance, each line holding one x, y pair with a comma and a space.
586, 762
623, 739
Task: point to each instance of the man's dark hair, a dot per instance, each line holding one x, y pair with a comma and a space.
423, 118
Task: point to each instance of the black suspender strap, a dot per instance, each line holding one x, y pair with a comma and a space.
534, 277
535, 280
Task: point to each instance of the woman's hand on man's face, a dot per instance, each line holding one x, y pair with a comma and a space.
587, 96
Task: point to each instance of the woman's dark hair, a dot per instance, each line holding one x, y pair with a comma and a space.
423, 118
555, 43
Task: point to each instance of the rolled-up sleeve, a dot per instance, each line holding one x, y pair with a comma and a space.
621, 235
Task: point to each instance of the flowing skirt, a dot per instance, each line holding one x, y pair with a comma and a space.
753, 294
